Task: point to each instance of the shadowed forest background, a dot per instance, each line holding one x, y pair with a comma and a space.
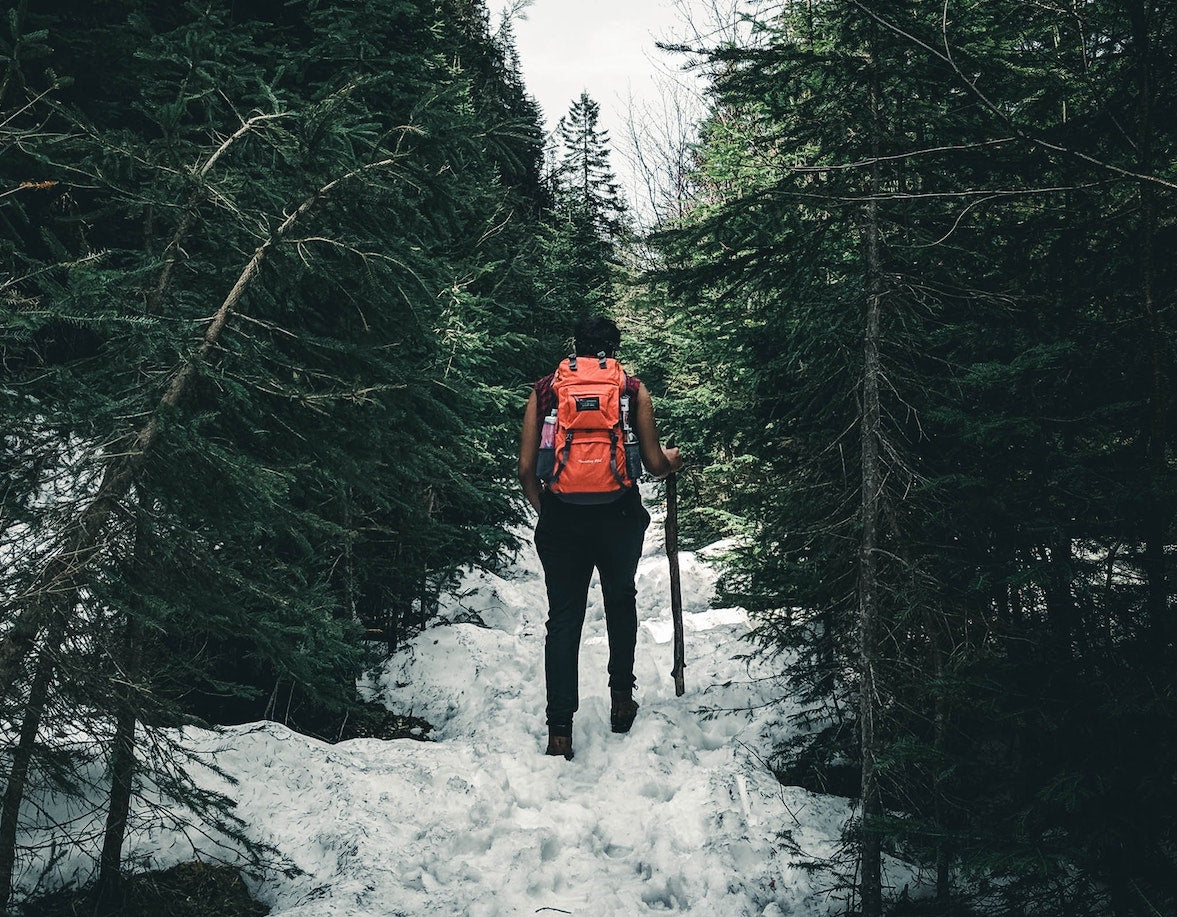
276, 278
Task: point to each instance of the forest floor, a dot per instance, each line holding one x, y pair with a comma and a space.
680, 815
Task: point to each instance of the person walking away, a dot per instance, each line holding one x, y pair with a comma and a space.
579, 465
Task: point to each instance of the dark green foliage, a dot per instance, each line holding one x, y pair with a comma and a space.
584, 235
270, 311
584, 183
1026, 191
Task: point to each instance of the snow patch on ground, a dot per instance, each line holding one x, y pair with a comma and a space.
677, 816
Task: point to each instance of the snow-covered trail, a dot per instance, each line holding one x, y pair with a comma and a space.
677, 815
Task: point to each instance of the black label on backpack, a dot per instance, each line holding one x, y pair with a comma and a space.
588, 404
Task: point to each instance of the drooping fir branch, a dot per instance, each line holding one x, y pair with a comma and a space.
57, 585
174, 246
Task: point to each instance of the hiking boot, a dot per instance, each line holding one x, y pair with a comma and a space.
623, 710
560, 745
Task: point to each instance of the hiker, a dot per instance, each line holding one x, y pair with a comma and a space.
583, 482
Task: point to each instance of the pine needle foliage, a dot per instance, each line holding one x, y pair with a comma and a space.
1016, 170
268, 323
588, 228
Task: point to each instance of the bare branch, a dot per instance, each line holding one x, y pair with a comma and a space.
81, 546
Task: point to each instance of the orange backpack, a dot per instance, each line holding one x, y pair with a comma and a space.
588, 451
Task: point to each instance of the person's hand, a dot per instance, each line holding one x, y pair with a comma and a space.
673, 457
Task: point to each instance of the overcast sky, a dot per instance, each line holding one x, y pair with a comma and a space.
604, 46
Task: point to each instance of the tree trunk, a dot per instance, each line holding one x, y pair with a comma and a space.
18, 774
392, 627
1060, 600
870, 847
351, 591
61, 579
940, 750
122, 765
1156, 513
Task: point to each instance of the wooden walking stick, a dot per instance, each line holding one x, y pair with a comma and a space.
675, 582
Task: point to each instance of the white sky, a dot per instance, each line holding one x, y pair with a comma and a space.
606, 47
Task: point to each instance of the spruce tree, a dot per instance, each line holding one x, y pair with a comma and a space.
586, 185
259, 331
1014, 420
588, 219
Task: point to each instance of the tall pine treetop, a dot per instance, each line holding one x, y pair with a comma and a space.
585, 181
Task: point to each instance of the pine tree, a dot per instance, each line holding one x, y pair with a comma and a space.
587, 224
259, 332
586, 186
1015, 420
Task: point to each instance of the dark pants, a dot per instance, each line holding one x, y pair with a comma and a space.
571, 541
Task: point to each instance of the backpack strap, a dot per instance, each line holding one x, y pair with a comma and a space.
563, 460
613, 459
629, 400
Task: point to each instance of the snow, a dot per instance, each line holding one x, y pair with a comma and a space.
679, 815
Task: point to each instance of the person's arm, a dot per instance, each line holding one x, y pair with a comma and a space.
529, 452
658, 461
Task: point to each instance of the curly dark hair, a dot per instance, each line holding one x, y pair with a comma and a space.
595, 334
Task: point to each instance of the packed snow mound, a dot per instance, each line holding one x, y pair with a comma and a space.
679, 815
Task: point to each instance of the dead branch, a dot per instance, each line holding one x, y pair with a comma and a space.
59, 582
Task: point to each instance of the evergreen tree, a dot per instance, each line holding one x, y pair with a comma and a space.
1016, 426
587, 227
586, 186
266, 331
